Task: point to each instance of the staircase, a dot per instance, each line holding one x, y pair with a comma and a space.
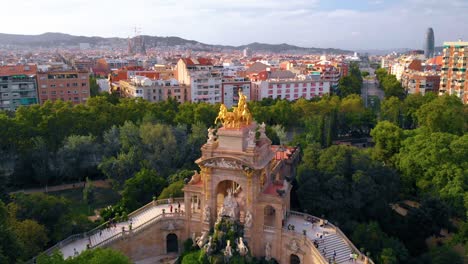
334, 243
104, 234
333, 239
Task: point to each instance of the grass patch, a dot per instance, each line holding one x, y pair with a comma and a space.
102, 198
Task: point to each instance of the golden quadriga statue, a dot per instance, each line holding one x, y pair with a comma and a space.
240, 115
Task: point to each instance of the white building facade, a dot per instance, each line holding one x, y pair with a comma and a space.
292, 89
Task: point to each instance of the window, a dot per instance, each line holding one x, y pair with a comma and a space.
52, 86
84, 91
5, 94
53, 92
43, 86
68, 92
83, 84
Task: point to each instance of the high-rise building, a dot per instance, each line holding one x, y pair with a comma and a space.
204, 79
230, 90
247, 52
429, 45
454, 77
17, 86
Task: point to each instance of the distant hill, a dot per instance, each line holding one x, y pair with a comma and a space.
52, 40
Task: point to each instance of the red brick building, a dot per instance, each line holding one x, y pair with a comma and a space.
72, 86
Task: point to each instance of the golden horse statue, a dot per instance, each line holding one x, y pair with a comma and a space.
240, 115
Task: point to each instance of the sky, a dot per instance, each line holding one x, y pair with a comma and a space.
347, 24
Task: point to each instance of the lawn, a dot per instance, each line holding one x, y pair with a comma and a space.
102, 198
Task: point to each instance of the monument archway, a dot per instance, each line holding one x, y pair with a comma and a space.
233, 191
172, 244
269, 215
294, 259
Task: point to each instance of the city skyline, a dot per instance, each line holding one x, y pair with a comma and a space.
356, 25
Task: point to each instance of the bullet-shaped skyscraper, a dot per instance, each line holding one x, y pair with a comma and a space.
429, 46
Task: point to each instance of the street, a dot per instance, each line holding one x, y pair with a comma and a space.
370, 87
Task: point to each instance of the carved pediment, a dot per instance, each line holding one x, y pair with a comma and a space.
170, 225
226, 163
294, 246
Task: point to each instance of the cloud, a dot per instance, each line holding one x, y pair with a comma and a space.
389, 24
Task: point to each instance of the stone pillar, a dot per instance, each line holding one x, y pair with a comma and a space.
209, 196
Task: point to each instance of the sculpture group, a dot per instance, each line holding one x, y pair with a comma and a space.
239, 116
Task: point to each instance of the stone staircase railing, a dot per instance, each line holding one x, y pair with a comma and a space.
300, 236
138, 229
97, 229
337, 230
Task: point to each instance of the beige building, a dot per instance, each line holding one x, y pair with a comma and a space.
140, 87
154, 90
204, 79
454, 77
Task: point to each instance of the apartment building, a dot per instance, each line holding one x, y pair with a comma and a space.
292, 89
203, 77
154, 90
230, 90
140, 87
454, 77
420, 82
172, 89
68, 85
17, 86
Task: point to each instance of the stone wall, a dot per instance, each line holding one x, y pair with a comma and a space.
151, 242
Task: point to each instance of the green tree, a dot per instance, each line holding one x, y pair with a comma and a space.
391, 110
443, 255
387, 137
173, 190
141, 188
374, 240
159, 146
435, 164
79, 155
93, 86
349, 85
411, 105
443, 114
88, 193
121, 167
95, 256
32, 236
40, 160
10, 245
345, 184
